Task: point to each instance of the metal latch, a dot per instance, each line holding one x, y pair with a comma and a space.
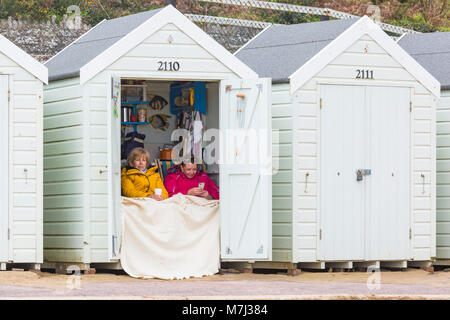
362, 172
359, 175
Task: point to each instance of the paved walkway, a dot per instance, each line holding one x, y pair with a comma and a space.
234, 287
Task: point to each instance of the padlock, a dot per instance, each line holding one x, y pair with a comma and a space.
359, 175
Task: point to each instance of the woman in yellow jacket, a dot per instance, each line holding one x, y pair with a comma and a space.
140, 181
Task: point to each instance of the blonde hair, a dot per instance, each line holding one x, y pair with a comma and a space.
137, 153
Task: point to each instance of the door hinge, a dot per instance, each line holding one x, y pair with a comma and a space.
320, 234
410, 106
320, 103
9, 95
410, 233
229, 250
9, 233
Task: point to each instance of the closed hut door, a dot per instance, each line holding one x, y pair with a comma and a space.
4, 167
388, 187
365, 165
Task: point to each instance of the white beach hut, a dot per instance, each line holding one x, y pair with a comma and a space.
148, 52
21, 83
356, 120
432, 51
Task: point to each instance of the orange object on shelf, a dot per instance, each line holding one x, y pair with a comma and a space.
165, 154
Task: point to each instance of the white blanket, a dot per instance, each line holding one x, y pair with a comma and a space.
175, 238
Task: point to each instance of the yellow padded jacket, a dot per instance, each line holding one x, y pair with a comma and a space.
137, 184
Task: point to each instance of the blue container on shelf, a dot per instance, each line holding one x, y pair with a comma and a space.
176, 90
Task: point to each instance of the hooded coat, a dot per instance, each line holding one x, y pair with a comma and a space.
136, 184
177, 182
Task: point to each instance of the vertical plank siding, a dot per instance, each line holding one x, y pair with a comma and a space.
282, 180
63, 171
25, 162
443, 177
306, 136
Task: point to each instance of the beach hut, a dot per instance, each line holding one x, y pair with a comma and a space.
150, 58
432, 51
21, 83
356, 121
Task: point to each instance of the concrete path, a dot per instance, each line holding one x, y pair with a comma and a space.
232, 289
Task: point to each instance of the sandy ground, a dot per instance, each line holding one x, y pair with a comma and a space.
412, 283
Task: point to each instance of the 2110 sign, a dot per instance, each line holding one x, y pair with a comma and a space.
168, 66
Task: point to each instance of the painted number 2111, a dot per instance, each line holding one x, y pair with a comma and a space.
364, 74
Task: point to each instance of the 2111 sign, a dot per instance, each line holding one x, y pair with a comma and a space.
364, 74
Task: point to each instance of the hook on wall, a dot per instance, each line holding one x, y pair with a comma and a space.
306, 182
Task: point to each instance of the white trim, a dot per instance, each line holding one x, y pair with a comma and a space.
23, 59
433, 180
86, 178
399, 38
109, 162
78, 39
363, 26
40, 175
167, 15
252, 39
11, 169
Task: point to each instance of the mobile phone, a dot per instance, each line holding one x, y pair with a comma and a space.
201, 185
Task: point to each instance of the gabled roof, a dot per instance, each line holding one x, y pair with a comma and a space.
304, 59
68, 62
111, 39
23, 59
280, 50
432, 51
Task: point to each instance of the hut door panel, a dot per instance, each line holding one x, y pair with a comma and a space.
388, 192
245, 169
342, 154
115, 163
4, 168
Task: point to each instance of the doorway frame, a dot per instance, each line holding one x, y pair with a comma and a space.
137, 76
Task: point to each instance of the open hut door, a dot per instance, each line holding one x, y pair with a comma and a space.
4, 167
114, 172
246, 169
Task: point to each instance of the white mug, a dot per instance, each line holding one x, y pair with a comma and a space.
158, 192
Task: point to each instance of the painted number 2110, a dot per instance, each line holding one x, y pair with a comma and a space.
364, 74
168, 66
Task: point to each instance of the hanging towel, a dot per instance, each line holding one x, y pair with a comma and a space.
176, 238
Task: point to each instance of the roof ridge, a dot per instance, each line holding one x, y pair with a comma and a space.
289, 44
424, 53
100, 39
134, 14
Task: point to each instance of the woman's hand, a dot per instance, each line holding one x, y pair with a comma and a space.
156, 197
205, 194
195, 192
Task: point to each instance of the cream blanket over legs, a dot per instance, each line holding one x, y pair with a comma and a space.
172, 239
